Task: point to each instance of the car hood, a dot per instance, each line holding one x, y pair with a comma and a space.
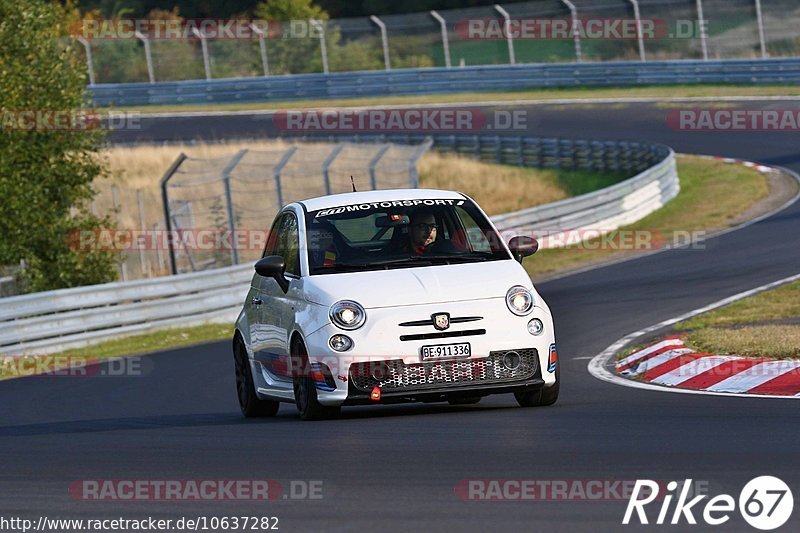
418, 285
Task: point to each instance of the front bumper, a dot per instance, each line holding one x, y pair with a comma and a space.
383, 343
441, 391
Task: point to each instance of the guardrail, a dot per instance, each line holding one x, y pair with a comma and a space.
45, 322
599, 211
70, 318
448, 80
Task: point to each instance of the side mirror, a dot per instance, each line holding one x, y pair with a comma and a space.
273, 266
522, 246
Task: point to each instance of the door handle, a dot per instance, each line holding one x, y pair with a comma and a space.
257, 300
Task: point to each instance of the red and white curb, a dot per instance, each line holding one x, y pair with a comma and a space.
603, 366
670, 363
749, 164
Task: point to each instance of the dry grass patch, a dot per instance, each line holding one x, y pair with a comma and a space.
143, 166
496, 188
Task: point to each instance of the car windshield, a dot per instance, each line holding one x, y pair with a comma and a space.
399, 234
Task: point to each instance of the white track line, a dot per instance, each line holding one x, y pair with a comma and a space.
599, 365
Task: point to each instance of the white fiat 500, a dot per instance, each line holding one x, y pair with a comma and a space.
391, 296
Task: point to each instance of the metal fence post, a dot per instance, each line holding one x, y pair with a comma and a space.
575, 33
761, 40
159, 253
327, 164
262, 45
277, 173
373, 164
204, 47
89, 63
701, 21
413, 176
384, 40
123, 267
187, 250
637, 15
165, 201
509, 39
323, 48
226, 181
445, 39
148, 56
142, 227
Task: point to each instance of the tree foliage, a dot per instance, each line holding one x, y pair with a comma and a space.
45, 173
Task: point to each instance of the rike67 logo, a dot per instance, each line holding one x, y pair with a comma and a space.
765, 503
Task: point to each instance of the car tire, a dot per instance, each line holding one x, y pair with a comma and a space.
466, 400
251, 405
305, 392
539, 398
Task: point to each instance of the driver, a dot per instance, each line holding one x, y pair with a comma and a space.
422, 233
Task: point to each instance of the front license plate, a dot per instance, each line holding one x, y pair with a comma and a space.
437, 351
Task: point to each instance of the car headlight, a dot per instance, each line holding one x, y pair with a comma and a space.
519, 300
347, 314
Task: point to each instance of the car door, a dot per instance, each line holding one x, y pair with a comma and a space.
277, 309
256, 298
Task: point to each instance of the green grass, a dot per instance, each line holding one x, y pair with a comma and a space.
744, 327
712, 195
780, 303
157, 340
577, 182
132, 345
771, 341
534, 94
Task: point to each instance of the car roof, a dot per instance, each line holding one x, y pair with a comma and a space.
350, 198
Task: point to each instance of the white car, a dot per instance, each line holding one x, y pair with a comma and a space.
391, 296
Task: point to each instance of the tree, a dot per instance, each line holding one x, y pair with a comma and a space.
46, 172
292, 54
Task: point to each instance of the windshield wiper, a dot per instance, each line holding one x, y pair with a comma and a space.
373, 265
411, 260
461, 258
341, 266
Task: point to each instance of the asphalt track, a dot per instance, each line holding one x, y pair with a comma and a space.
394, 468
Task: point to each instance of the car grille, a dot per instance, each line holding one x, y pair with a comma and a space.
397, 376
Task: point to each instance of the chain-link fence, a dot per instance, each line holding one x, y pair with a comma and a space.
220, 208
541, 31
781, 27
135, 210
